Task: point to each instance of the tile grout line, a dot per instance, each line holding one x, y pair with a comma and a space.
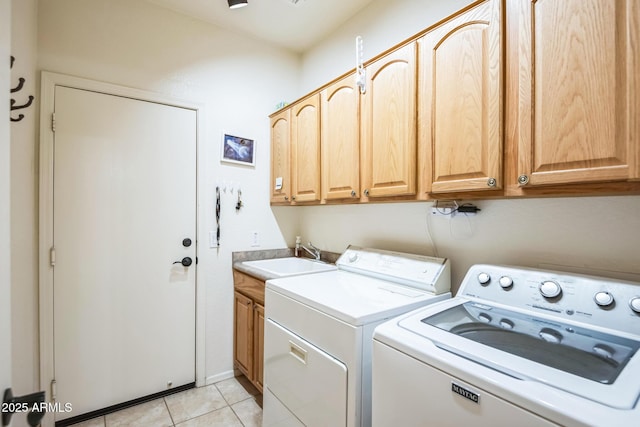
166, 405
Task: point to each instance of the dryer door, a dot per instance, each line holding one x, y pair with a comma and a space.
310, 383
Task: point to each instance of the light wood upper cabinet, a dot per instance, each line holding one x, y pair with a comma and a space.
388, 125
576, 65
341, 140
280, 160
460, 102
305, 150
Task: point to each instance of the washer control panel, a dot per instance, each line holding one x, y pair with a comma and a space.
589, 299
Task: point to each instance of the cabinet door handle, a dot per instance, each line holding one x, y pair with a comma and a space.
298, 352
366, 192
523, 180
353, 193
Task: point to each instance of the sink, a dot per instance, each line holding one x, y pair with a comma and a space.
290, 266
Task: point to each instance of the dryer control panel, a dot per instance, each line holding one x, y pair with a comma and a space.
417, 271
594, 300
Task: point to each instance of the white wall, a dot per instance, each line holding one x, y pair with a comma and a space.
596, 234
238, 82
383, 24
24, 220
5, 200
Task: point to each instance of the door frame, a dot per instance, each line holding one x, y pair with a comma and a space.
49, 81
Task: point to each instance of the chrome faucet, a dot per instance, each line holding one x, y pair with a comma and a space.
314, 252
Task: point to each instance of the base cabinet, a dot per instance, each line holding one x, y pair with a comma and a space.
243, 334
248, 327
340, 140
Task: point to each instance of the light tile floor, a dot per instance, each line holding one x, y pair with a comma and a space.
229, 403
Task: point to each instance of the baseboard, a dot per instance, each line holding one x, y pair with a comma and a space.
219, 377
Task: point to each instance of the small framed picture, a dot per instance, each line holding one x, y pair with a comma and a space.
239, 150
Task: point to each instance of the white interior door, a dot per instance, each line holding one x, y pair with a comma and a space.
124, 200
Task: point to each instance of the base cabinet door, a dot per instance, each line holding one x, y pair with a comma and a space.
577, 65
243, 334
248, 334
460, 102
258, 345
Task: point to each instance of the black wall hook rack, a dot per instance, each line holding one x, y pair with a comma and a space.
16, 89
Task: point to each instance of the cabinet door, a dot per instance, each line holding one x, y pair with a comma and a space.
258, 345
305, 150
280, 160
389, 125
578, 90
243, 334
341, 140
460, 102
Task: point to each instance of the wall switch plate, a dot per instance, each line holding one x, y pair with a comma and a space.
255, 239
212, 239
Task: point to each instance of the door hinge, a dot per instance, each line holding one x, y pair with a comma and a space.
52, 256
53, 122
54, 390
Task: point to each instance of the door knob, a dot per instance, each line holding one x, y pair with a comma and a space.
186, 261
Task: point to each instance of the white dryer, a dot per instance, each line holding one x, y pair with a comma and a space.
319, 328
514, 347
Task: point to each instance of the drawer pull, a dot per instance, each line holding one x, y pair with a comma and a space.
298, 352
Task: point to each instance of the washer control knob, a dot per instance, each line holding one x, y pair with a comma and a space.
550, 289
603, 299
635, 304
484, 278
352, 257
506, 282
550, 335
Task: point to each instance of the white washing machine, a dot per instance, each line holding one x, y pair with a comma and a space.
515, 347
319, 328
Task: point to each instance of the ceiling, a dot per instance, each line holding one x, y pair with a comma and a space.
292, 24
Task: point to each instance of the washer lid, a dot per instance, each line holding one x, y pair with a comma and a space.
578, 359
590, 354
351, 297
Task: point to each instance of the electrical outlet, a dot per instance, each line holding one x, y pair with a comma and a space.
255, 239
446, 211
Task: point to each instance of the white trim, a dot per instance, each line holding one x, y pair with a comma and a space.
220, 377
48, 83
